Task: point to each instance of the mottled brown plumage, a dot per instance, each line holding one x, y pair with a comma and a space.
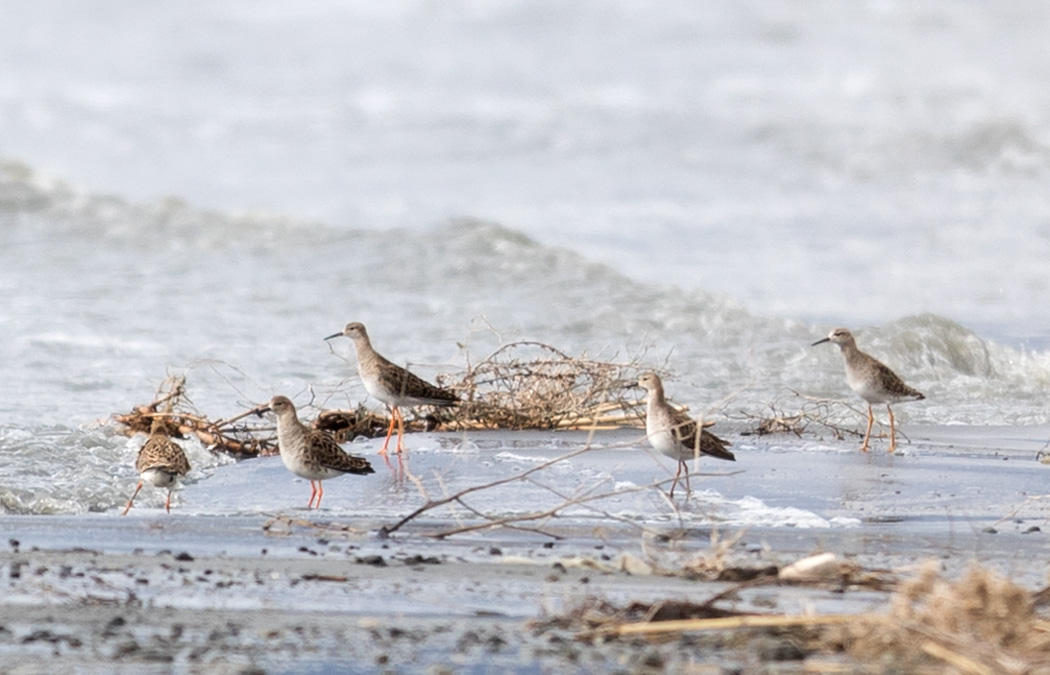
160, 461
872, 380
311, 453
391, 384
673, 433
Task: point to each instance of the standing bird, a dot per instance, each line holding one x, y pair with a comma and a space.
391, 384
872, 380
311, 453
160, 461
673, 433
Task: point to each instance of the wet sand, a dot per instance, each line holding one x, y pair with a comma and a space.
322, 592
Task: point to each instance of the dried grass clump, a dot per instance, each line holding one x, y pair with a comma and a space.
531, 385
981, 623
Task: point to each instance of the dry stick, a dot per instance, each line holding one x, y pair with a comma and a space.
601, 512
720, 623
230, 420
1017, 509
289, 522
151, 408
493, 520
946, 647
955, 659
386, 531
554, 510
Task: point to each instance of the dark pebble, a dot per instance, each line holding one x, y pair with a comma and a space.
781, 651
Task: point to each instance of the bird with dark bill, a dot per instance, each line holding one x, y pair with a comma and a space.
673, 433
872, 380
311, 453
391, 384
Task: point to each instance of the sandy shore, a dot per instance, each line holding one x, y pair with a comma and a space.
322, 592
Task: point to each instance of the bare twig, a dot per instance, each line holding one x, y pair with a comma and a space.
388, 530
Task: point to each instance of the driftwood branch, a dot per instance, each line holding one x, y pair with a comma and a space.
585, 500
432, 504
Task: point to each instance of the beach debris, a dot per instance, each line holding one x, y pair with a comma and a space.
230, 435
532, 385
981, 623
791, 412
635, 566
820, 567
522, 385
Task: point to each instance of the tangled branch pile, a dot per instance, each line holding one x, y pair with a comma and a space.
530, 385
523, 385
180, 421
793, 413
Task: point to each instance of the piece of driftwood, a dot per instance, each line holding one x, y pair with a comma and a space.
230, 435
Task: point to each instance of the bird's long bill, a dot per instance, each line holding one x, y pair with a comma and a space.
821, 341
334, 335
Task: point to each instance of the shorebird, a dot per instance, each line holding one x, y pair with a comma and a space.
872, 380
160, 461
390, 383
673, 433
311, 453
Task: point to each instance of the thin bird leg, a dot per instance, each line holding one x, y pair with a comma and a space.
320, 493
167, 501
400, 430
676, 475
389, 431
893, 430
867, 434
128, 507
313, 493
688, 488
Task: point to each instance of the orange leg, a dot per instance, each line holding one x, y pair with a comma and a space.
867, 434
400, 430
320, 493
893, 430
389, 431
167, 502
128, 507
